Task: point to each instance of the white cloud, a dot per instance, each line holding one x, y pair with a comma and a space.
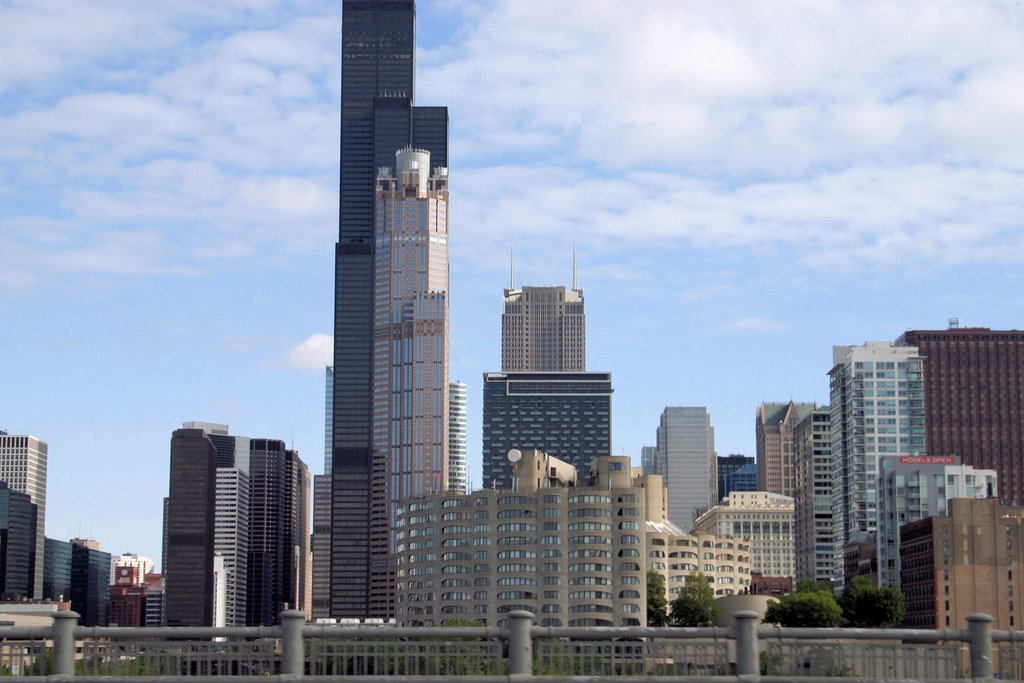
314, 353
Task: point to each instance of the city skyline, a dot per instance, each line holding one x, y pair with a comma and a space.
737, 211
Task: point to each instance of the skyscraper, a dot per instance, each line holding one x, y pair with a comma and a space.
877, 403
458, 475
773, 430
278, 532
321, 539
687, 461
189, 529
17, 543
23, 466
544, 329
813, 532
231, 539
566, 414
378, 119
974, 399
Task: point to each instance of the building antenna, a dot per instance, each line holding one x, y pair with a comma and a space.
512, 267
574, 266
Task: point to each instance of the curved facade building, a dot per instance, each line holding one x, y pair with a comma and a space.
573, 553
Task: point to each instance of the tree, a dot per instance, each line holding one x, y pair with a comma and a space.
865, 605
812, 605
695, 605
657, 604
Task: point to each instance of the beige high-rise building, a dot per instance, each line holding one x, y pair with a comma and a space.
544, 329
762, 518
774, 432
23, 466
410, 363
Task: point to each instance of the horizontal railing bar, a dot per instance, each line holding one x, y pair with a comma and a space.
923, 635
363, 632
176, 632
619, 632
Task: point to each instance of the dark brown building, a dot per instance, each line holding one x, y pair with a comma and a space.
189, 529
974, 399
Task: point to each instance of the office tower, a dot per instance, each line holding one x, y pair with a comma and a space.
566, 414
458, 473
321, 539
278, 532
915, 487
23, 467
231, 540
687, 461
966, 562
78, 572
813, 533
57, 570
649, 459
877, 402
569, 569
736, 473
90, 589
410, 355
765, 518
974, 399
773, 429
17, 544
544, 329
189, 525
143, 564
377, 119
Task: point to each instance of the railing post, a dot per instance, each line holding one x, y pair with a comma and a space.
979, 627
748, 662
64, 624
520, 645
293, 650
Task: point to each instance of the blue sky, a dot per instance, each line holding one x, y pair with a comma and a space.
746, 184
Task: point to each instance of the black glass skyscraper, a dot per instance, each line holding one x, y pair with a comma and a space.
377, 119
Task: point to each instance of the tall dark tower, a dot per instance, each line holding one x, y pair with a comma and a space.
377, 119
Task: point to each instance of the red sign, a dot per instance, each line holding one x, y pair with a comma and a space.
927, 460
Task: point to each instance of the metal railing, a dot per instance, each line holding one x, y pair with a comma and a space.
520, 651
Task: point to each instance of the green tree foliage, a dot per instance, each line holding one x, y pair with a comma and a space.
865, 605
695, 605
812, 605
657, 604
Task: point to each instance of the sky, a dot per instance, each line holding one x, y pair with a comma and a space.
746, 185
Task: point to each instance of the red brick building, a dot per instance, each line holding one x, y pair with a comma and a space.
974, 399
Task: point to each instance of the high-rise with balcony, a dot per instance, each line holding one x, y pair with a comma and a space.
377, 119
877, 410
974, 399
458, 475
23, 466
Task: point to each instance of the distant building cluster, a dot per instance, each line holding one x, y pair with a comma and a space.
912, 475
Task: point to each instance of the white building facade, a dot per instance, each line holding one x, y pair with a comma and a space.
876, 394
